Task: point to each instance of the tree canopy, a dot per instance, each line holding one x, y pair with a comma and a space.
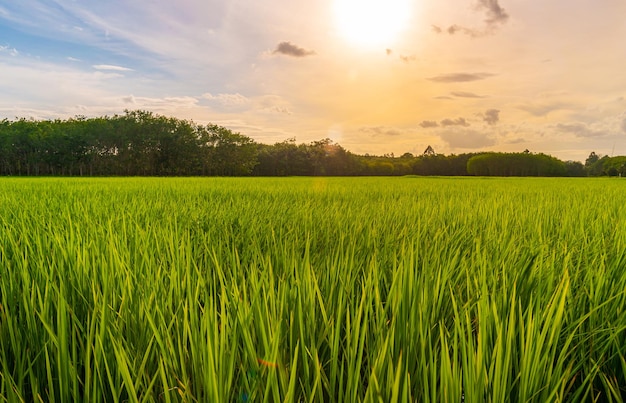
143, 143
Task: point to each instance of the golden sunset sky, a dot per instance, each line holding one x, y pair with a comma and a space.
376, 76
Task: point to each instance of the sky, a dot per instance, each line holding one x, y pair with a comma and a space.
375, 76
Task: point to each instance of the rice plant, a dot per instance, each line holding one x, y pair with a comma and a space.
312, 289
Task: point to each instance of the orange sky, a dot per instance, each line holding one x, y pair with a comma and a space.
378, 77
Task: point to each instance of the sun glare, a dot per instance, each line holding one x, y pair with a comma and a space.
371, 22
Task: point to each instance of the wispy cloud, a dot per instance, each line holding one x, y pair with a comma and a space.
9, 50
404, 58
381, 130
580, 130
455, 122
460, 77
464, 94
228, 99
289, 49
542, 109
110, 67
236, 102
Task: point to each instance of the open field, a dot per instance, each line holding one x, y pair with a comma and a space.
312, 289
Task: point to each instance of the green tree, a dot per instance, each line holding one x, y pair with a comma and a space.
592, 159
227, 153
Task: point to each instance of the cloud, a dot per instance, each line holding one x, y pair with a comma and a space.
467, 138
454, 122
272, 104
381, 131
543, 108
453, 29
110, 67
495, 15
492, 116
166, 103
281, 109
623, 126
289, 49
463, 94
404, 58
426, 124
237, 102
579, 130
11, 51
460, 77
227, 99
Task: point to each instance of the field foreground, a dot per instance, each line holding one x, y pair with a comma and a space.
312, 289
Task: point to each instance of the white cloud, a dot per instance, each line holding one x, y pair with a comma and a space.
239, 103
227, 99
9, 50
110, 67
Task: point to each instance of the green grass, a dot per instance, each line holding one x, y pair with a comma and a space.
312, 289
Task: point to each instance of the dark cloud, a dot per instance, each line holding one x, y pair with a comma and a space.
454, 122
460, 77
428, 124
404, 58
579, 130
289, 49
463, 94
381, 131
492, 116
467, 138
495, 15
453, 29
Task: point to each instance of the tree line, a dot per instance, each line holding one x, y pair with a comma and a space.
140, 143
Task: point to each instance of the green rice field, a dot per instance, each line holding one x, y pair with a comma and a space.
402, 289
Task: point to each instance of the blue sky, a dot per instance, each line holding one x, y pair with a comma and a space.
460, 75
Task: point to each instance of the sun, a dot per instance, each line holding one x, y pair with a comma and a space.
371, 22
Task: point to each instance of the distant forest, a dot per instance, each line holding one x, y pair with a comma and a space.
140, 143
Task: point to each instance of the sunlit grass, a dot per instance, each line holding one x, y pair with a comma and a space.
312, 289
